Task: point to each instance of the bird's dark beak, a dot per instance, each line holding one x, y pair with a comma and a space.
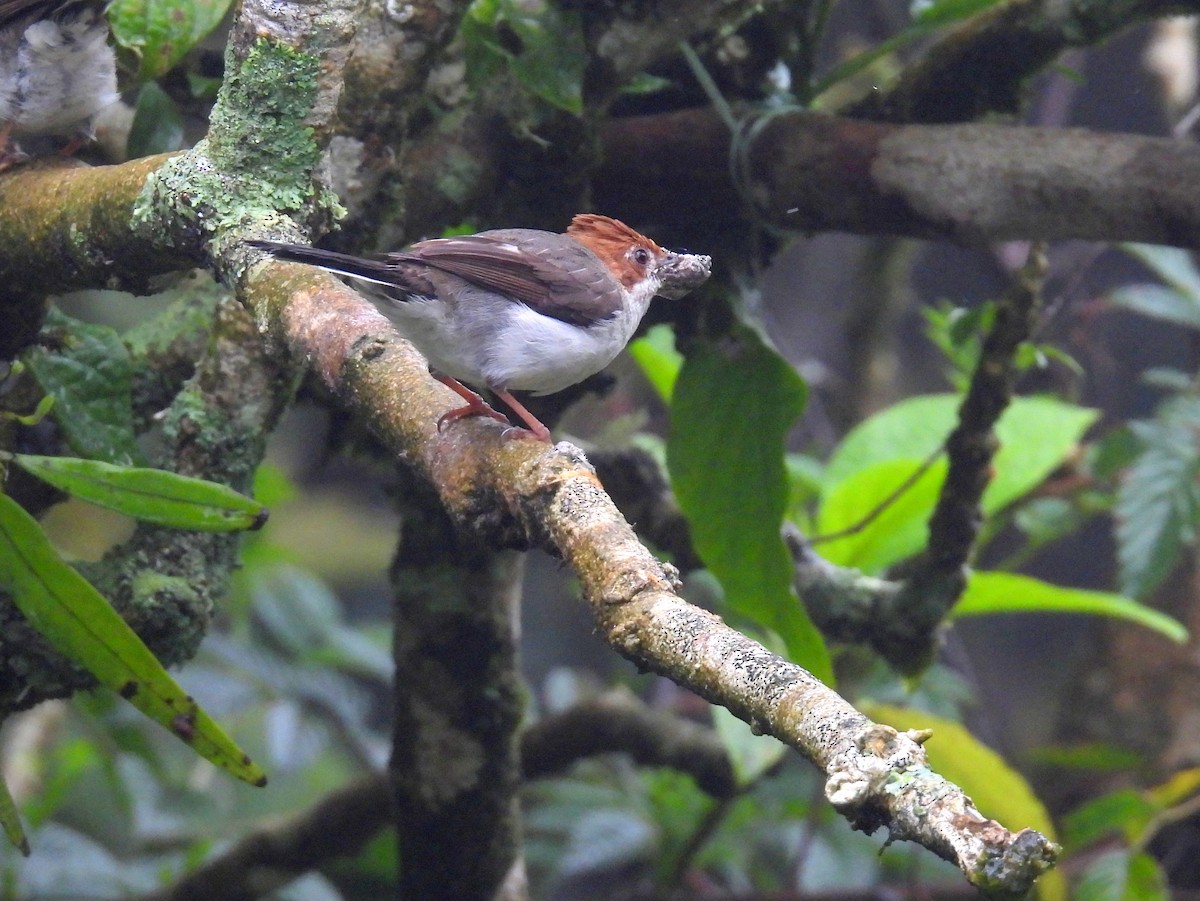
683, 272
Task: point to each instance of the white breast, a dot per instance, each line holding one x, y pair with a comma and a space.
508, 345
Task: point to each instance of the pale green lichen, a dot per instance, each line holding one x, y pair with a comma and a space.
257, 161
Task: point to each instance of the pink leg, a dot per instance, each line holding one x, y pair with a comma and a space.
476, 405
9, 155
73, 145
536, 429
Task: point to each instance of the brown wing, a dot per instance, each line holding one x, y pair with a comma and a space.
14, 9
551, 273
32, 10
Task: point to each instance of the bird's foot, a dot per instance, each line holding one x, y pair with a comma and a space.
515, 432
480, 409
10, 154
477, 406
536, 428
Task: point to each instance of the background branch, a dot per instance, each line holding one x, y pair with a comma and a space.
344, 820
981, 67
962, 183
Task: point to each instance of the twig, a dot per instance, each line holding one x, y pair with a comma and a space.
701, 835
883, 505
937, 578
618, 722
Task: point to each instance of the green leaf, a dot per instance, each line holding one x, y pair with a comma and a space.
91, 378
162, 32
152, 495
645, 83
734, 403
82, 626
1122, 875
997, 592
1180, 787
1158, 502
1124, 813
942, 12
157, 123
660, 362
999, 791
540, 42
1173, 265
898, 532
751, 754
1159, 302
10, 820
1036, 435
1100, 757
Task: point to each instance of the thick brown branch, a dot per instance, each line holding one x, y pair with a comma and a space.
970, 183
65, 226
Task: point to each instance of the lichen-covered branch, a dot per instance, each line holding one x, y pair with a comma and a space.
65, 227
972, 183
939, 575
636, 483
457, 706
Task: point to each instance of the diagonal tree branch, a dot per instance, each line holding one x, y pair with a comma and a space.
516, 494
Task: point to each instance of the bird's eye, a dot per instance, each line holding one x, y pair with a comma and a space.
641, 256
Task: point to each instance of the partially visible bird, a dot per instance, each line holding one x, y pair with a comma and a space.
517, 309
57, 70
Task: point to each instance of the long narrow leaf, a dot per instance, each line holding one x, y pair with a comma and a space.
80, 624
1000, 592
153, 495
10, 820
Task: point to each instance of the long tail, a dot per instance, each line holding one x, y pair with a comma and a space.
372, 269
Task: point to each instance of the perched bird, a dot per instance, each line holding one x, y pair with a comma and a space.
517, 309
57, 70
